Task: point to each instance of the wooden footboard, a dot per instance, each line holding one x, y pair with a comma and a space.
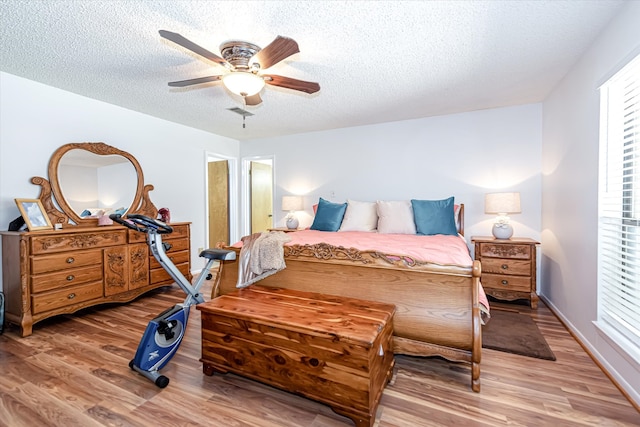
437, 308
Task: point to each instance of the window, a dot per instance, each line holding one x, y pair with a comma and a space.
619, 209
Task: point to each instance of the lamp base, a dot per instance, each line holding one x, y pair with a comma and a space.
502, 231
292, 223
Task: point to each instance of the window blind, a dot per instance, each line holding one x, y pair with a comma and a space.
619, 206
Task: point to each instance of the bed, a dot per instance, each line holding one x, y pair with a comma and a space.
438, 305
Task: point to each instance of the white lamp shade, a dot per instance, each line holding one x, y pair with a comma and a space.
243, 83
292, 203
502, 203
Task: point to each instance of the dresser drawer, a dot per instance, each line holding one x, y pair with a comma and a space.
502, 250
63, 261
64, 278
512, 283
52, 300
506, 266
77, 241
177, 245
180, 231
175, 257
159, 275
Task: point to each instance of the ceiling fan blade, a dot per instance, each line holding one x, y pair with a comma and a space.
276, 51
188, 44
253, 99
183, 83
290, 83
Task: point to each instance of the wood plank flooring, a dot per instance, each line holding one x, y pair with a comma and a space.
73, 371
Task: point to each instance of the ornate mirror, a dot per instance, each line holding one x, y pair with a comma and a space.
92, 176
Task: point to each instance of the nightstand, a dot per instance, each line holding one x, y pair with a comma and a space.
508, 267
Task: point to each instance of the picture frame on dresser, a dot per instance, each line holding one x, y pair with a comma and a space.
34, 215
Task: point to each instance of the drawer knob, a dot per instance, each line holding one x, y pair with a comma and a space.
70, 260
70, 277
505, 282
71, 296
504, 266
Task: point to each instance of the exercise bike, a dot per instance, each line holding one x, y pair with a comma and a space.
165, 332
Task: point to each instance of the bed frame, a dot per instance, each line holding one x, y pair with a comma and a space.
437, 308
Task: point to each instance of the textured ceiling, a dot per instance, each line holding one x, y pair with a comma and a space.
376, 61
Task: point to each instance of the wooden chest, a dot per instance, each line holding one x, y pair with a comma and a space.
335, 350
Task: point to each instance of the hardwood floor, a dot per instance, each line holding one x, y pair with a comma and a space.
73, 371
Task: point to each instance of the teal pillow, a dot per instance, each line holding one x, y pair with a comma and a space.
328, 216
434, 217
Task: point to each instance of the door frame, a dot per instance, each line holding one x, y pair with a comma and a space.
234, 234
245, 223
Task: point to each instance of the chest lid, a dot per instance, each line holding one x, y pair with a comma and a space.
349, 319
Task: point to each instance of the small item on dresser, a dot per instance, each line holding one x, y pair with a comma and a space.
103, 218
16, 224
164, 215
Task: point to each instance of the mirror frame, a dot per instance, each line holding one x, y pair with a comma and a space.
101, 149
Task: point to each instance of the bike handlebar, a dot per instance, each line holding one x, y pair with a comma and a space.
142, 223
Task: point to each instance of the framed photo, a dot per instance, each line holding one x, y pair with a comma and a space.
34, 214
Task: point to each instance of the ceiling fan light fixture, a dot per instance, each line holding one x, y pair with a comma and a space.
243, 83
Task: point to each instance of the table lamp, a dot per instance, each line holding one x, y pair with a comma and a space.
502, 204
292, 204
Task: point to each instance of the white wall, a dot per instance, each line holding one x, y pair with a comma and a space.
460, 155
36, 119
570, 192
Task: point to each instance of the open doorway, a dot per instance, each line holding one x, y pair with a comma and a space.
221, 203
258, 191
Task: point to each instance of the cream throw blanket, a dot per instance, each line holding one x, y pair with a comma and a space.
262, 255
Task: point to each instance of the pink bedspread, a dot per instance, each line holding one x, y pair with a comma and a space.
440, 249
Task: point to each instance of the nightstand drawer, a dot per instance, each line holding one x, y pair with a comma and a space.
505, 250
513, 283
506, 266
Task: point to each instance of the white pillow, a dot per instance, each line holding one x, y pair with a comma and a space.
395, 217
360, 216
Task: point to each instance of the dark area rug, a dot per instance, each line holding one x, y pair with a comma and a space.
515, 333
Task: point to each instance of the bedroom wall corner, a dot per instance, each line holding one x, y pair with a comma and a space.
570, 147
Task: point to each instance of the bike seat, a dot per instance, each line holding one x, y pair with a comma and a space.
221, 254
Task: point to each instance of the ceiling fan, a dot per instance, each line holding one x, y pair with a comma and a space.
244, 62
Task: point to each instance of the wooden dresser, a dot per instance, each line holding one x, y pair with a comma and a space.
46, 273
508, 267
